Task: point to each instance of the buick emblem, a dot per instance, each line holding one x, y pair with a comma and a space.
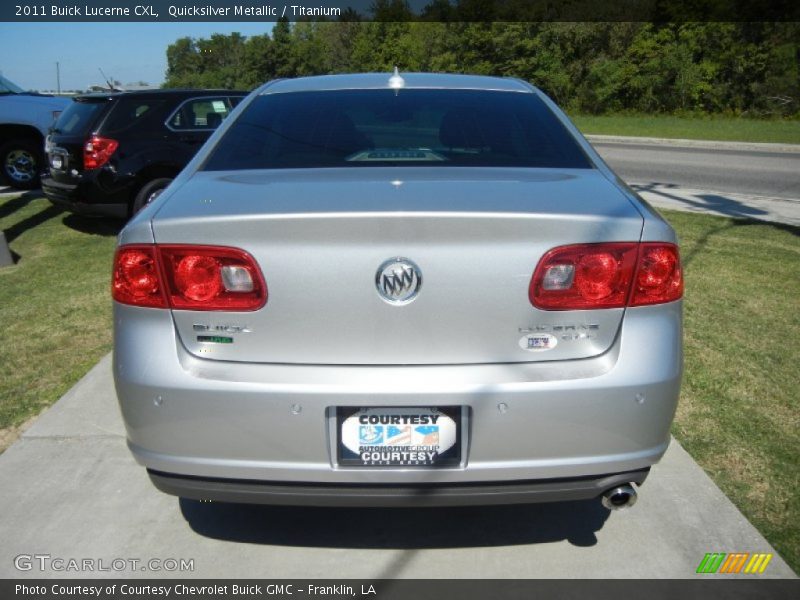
398, 280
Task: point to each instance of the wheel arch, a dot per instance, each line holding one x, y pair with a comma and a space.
151, 172
14, 131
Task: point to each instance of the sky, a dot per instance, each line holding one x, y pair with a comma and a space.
127, 52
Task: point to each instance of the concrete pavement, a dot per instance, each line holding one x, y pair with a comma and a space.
687, 143
70, 489
724, 204
771, 171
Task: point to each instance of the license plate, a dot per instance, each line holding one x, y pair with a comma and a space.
57, 162
399, 437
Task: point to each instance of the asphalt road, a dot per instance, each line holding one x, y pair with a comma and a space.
756, 181
722, 169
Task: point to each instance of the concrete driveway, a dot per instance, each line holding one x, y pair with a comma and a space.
754, 181
69, 489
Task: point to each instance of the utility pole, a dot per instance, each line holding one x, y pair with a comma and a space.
58, 78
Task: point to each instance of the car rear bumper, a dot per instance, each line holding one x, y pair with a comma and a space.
86, 198
298, 494
268, 425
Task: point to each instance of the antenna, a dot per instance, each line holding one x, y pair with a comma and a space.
107, 80
395, 81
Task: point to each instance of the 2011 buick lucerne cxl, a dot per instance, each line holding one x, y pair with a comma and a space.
407, 289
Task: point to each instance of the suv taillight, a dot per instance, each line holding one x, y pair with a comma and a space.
188, 277
608, 275
97, 150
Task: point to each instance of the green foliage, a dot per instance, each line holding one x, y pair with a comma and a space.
750, 69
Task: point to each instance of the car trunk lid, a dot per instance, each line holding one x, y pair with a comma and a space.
321, 236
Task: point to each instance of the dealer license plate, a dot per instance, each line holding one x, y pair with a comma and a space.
399, 437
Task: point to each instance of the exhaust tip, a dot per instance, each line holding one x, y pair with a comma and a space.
622, 496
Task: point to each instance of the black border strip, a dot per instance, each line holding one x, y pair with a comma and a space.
675, 11
425, 589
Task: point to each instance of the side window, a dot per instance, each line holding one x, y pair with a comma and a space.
129, 111
234, 100
199, 114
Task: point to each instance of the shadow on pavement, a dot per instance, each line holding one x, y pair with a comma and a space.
409, 528
714, 202
743, 215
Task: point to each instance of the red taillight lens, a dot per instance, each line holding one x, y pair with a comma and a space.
212, 278
198, 278
658, 277
97, 151
609, 275
188, 277
584, 276
136, 278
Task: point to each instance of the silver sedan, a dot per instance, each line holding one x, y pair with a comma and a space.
406, 289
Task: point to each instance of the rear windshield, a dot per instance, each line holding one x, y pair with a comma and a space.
78, 117
388, 127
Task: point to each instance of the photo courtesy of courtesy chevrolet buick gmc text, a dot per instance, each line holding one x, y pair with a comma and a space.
398, 290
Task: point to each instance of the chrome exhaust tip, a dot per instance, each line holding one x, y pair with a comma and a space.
622, 496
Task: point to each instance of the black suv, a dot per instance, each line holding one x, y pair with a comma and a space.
111, 154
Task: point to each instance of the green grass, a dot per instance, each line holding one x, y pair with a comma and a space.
54, 304
739, 411
695, 128
739, 414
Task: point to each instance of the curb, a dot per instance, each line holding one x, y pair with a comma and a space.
684, 143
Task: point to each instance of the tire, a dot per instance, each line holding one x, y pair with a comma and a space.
148, 192
20, 163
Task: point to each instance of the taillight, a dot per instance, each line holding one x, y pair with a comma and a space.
658, 276
136, 279
189, 277
212, 278
608, 275
97, 150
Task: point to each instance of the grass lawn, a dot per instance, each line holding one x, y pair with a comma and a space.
739, 414
55, 305
695, 128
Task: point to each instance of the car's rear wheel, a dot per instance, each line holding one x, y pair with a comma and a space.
149, 192
20, 163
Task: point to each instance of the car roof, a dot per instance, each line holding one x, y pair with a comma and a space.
371, 81
160, 92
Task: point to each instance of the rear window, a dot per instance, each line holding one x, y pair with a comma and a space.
388, 127
78, 117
